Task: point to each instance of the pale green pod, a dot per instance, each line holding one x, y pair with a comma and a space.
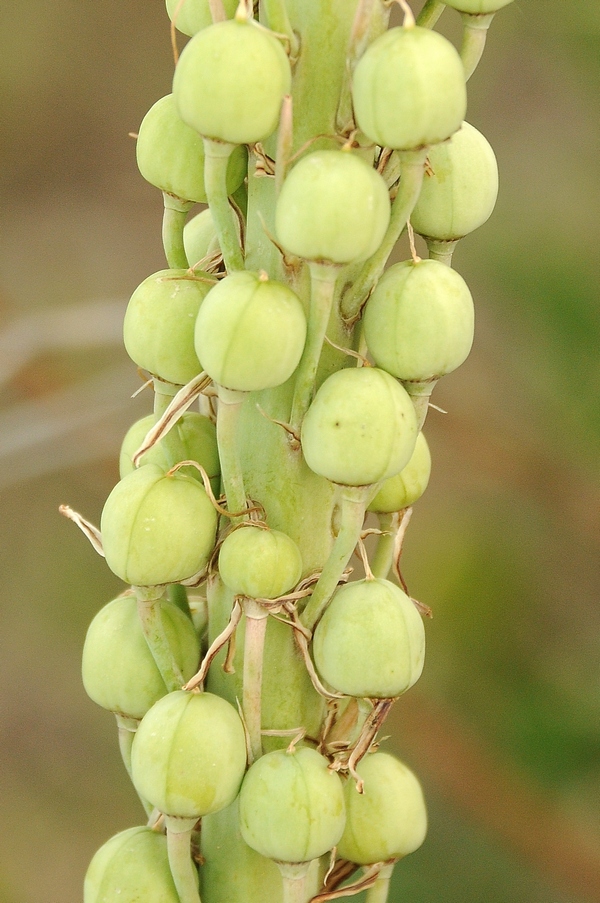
333, 208
477, 7
408, 89
389, 819
361, 427
459, 188
408, 486
292, 806
250, 332
158, 329
371, 641
157, 528
230, 82
419, 321
130, 867
170, 154
119, 672
189, 754
192, 16
261, 564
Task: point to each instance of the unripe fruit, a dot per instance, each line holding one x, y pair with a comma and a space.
333, 208
409, 89
230, 81
370, 642
189, 754
192, 16
170, 154
292, 806
261, 564
200, 237
158, 329
419, 321
118, 670
459, 193
388, 820
250, 332
477, 7
407, 486
157, 528
130, 867
360, 428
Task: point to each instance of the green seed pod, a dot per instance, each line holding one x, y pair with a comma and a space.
407, 486
198, 436
192, 16
200, 237
262, 564
333, 208
118, 670
158, 329
157, 528
292, 806
170, 154
477, 7
419, 321
230, 81
388, 820
460, 191
189, 754
361, 427
250, 332
130, 867
409, 89
370, 642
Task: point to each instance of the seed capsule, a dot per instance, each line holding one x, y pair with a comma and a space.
292, 806
130, 867
409, 89
333, 208
370, 642
189, 754
261, 564
407, 486
192, 16
388, 820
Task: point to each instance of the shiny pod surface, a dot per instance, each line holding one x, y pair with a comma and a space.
262, 564
130, 867
408, 486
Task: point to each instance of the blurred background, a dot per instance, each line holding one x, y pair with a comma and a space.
504, 726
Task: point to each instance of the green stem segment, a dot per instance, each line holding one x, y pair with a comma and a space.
474, 38
354, 503
174, 217
230, 403
177, 594
378, 892
127, 728
442, 250
293, 875
183, 869
381, 562
216, 159
430, 13
412, 168
254, 644
149, 610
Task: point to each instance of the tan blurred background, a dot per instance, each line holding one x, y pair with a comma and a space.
504, 727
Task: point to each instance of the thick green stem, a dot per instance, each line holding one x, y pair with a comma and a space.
216, 159
254, 644
354, 502
420, 393
322, 288
412, 168
378, 892
442, 250
183, 869
381, 562
230, 403
473, 42
430, 13
174, 217
293, 875
171, 444
149, 610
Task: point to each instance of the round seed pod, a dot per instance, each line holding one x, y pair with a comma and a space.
118, 670
477, 7
230, 81
200, 237
197, 434
170, 154
250, 332
361, 427
261, 564
130, 867
407, 486
333, 207
370, 642
189, 754
157, 528
158, 329
192, 16
409, 89
388, 820
292, 806
419, 321
460, 192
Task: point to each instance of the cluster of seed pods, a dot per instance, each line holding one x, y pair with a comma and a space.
248, 675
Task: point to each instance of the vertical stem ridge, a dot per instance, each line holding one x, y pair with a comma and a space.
473, 42
216, 159
254, 644
231, 469
183, 870
174, 216
149, 610
430, 13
